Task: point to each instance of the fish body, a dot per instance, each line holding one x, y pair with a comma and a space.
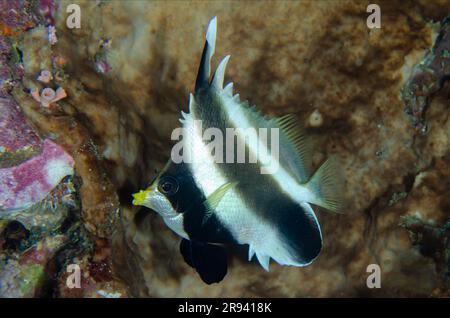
216, 198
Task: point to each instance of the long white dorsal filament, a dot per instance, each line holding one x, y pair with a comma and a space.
211, 40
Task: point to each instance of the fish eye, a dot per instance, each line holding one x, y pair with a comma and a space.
168, 185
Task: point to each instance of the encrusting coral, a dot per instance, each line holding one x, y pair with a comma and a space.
30, 182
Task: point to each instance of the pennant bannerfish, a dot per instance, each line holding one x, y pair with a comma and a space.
211, 203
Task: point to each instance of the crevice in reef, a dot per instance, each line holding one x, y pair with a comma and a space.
428, 78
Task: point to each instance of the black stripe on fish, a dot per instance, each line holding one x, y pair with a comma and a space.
260, 192
189, 200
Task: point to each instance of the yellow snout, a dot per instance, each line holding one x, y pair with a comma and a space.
140, 197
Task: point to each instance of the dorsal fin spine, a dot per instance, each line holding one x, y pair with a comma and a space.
204, 70
219, 74
228, 89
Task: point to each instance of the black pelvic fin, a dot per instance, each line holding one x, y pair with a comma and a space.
204, 69
210, 261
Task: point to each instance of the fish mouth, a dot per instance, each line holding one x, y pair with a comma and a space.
140, 197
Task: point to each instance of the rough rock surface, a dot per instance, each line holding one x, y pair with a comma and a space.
128, 72
30, 182
17, 140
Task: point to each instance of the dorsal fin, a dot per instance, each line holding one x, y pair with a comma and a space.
228, 89
204, 70
219, 74
296, 136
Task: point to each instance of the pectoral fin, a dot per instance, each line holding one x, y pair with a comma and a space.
214, 198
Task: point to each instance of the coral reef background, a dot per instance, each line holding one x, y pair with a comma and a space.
376, 98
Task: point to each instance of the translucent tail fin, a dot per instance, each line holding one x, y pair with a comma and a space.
326, 186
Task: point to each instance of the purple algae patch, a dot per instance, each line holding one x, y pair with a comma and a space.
15, 133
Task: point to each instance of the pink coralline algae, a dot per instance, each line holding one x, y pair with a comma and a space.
11, 68
5, 75
17, 16
47, 8
15, 134
30, 182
